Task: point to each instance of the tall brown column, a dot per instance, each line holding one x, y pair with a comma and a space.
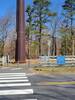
20, 29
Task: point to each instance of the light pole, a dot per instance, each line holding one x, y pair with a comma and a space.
20, 54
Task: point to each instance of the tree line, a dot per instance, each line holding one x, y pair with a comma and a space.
43, 24
39, 15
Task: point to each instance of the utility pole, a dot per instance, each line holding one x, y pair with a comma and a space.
20, 54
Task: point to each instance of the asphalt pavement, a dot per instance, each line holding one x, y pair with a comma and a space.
20, 84
45, 91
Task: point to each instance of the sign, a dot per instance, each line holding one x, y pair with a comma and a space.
60, 60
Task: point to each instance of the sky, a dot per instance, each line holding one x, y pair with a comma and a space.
6, 5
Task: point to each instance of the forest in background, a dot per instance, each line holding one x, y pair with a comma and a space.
47, 32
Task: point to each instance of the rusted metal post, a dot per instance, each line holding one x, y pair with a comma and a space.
20, 29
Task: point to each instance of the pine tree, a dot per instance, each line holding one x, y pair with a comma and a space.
69, 8
41, 10
29, 11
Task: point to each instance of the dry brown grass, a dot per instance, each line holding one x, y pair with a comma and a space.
54, 70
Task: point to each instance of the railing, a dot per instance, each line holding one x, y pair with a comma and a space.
45, 60
70, 59
4, 60
52, 60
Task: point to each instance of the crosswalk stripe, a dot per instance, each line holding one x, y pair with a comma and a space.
3, 78
14, 80
12, 74
29, 99
16, 92
16, 84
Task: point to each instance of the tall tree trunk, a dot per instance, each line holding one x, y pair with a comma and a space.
40, 32
40, 43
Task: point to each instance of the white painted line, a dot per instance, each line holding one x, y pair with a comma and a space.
29, 99
12, 73
3, 78
14, 80
16, 84
15, 68
16, 92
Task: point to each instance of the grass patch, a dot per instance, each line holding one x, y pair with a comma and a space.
54, 70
